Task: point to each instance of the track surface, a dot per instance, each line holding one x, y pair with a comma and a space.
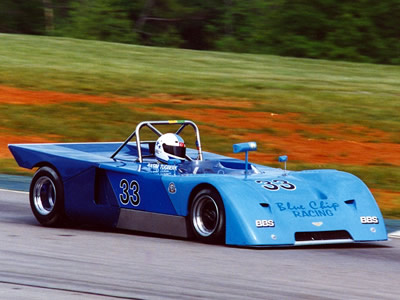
78, 263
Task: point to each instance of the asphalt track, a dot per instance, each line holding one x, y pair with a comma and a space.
89, 263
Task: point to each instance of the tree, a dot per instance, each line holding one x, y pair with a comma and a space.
364, 30
19, 16
105, 20
345, 30
48, 15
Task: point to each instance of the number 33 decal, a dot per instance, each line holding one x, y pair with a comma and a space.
275, 185
125, 197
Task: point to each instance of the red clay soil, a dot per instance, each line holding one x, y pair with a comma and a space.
276, 134
12, 95
341, 144
6, 139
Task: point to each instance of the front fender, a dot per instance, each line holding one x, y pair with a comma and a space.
244, 207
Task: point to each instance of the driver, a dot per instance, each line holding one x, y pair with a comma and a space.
170, 146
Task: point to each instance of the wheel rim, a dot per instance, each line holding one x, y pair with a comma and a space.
205, 216
44, 195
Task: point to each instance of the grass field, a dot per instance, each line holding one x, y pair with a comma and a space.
284, 103
323, 91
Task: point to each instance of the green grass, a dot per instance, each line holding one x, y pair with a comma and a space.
9, 166
323, 91
73, 121
391, 213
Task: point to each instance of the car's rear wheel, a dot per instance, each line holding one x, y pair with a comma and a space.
46, 197
207, 216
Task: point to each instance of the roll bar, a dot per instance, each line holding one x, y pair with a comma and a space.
151, 125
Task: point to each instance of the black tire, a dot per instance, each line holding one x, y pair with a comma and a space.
46, 196
207, 217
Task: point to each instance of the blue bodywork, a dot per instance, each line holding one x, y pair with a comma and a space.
265, 207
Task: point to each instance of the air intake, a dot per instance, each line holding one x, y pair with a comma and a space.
322, 236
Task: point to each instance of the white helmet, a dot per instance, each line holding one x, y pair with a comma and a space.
170, 146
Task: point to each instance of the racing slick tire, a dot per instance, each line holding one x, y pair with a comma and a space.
46, 196
207, 217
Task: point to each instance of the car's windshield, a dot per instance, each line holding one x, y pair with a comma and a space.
231, 167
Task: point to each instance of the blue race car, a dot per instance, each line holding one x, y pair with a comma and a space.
163, 187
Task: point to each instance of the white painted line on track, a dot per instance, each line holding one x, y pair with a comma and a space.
12, 191
394, 235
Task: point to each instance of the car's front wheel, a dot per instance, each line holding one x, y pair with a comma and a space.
46, 197
207, 216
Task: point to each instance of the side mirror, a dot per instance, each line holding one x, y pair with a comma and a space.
283, 159
245, 147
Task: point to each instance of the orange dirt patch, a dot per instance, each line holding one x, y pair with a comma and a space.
12, 95
318, 144
276, 134
12, 139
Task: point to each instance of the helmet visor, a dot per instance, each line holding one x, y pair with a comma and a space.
178, 151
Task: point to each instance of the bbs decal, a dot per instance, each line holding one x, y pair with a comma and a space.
369, 220
276, 185
130, 192
265, 223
